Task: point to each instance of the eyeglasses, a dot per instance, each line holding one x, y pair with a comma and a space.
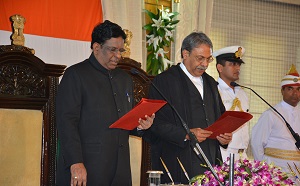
114, 49
201, 59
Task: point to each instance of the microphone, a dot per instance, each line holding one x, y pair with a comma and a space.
194, 141
294, 134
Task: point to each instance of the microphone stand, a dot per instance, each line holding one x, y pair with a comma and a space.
194, 141
231, 169
294, 134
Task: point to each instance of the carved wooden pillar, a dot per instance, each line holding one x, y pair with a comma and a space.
141, 89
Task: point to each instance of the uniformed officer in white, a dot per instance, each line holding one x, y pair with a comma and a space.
271, 139
229, 60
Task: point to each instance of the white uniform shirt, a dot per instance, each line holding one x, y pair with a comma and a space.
240, 137
271, 132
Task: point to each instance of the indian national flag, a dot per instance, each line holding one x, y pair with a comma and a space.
58, 31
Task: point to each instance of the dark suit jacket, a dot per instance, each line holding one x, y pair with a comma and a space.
90, 98
167, 134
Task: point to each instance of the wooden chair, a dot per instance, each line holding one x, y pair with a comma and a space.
141, 87
28, 84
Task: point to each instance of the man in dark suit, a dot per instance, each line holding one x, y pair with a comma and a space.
92, 95
194, 94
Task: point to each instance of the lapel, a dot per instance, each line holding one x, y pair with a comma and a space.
192, 88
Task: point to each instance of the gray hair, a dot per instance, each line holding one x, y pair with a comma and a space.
193, 40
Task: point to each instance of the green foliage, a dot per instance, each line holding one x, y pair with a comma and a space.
159, 36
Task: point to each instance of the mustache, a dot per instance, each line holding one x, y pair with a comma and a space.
201, 68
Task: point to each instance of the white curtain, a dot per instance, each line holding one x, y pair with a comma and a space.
194, 15
127, 14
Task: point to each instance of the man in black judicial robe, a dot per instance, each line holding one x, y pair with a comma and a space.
194, 94
92, 95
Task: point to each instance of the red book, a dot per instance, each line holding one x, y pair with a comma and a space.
145, 107
228, 122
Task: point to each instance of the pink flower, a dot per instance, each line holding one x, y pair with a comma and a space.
246, 172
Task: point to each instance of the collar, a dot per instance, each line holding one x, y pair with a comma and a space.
289, 107
222, 85
97, 65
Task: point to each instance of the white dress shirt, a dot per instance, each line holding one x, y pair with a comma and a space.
197, 81
240, 137
271, 132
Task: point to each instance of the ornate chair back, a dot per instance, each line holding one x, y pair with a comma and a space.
27, 117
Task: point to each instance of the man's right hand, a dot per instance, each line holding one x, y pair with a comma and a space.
78, 174
200, 134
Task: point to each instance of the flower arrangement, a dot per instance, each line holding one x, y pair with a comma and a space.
160, 35
246, 172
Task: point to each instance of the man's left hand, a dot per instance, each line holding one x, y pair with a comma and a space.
225, 138
146, 123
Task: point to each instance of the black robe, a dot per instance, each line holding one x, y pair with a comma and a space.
90, 98
167, 135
